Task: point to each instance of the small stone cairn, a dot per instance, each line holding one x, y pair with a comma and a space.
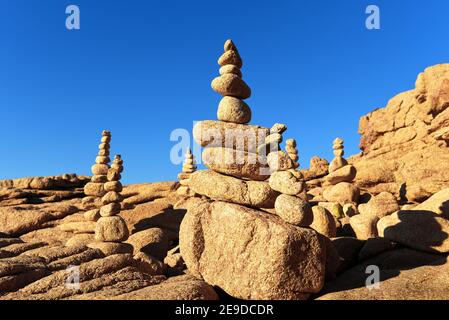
94, 190
338, 186
188, 168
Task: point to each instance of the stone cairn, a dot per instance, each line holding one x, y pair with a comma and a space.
111, 229
188, 168
94, 190
249, 179
338, 187
290, 147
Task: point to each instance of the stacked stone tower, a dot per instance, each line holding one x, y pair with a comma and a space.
245, 248
94, 190
188, 167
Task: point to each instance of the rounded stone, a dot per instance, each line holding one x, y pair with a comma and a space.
113, 186
279, 161
104, 146
92, 215
230, 68
231, 57
100, 169
99, 179
113, 175
293, 210
104, 152
117, 167
111, 197
110, 209
94, 189
323, 222
231, 85
342, 192
285, 182
102, 160
106, 139
111, 229
364, 226
344, 174
337, 163
233, 110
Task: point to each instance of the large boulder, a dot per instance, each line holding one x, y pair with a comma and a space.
417, 229
405, 145
251, 254
380, 205
221, 187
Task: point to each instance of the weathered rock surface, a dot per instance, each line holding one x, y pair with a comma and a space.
225, 188
294, 210
236, 163
406, 143
417, 229
405, 275
211, 133
342, 192
251, 254
323, 222
380, 205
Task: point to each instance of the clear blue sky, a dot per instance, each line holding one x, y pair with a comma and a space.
143, 68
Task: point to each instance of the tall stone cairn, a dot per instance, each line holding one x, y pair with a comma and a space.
188, 167
94, 190
284, 260
111, 227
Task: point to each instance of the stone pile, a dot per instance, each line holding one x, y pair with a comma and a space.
94, 190
230, 237
111, 229
188, 168
338, 183
290, 147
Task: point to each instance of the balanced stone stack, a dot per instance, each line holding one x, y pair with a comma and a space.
94, 190
291, 205
188, 168
290, 147
229, 237
111, 229
338, 186
231, 144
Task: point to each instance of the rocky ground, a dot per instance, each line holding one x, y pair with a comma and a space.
393, 215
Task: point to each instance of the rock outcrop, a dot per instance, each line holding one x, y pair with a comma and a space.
405, 148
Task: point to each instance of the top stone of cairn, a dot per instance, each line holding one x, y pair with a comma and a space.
231, 86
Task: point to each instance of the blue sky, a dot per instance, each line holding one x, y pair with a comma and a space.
143, 68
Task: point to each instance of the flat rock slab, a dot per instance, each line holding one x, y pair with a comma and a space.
211, 133
251, 254
404, 275
225, 188
237, 163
